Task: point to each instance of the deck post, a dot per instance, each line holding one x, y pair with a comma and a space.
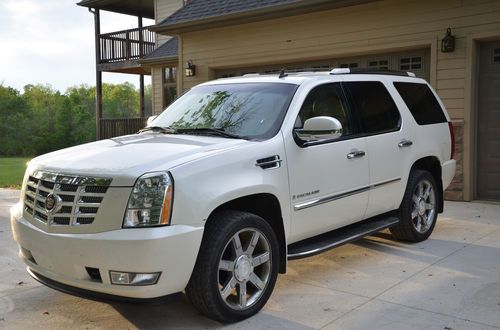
142, 109
141, 77
98, 74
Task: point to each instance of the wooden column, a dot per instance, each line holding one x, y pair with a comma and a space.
141, 77
98, 74
142, 109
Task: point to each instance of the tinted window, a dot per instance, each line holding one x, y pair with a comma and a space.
250, 110
325, 100
374, 106
422, 103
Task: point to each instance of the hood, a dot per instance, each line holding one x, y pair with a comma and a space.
128, 157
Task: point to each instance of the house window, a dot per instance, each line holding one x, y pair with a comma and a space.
411, 63
349, 65
169, 83
379, 64
496, 55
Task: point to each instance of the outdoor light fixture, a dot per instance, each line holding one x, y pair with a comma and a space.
448, 42
190, 69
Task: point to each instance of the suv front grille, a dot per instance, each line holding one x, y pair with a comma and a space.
74, 200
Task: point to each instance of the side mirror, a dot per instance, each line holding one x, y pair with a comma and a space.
150, 120
319, 129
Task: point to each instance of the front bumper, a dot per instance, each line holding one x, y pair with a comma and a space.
63, 258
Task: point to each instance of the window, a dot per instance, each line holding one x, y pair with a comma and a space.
169, 81
496, 55
374, 106
422, 103
348, 65
411, 63
325, 100
249, 110
379, 64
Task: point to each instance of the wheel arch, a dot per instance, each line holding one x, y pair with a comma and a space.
266, 206
433, 166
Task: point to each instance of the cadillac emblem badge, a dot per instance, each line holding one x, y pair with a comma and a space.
53, 203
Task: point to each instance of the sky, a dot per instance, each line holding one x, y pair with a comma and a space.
52, 42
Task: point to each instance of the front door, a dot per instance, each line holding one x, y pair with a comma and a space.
329, 181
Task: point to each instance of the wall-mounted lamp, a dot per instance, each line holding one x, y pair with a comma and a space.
190, 69
448, 42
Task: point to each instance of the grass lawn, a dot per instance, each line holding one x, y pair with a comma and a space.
12, 171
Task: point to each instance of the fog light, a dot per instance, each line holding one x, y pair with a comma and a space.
126, 278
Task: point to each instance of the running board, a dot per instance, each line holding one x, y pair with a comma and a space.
338, 237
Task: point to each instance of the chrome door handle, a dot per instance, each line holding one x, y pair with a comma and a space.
355, 154
405, 143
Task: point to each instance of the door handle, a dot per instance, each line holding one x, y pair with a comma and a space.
405, 143
356, 154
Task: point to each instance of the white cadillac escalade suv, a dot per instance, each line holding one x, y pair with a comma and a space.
233, 179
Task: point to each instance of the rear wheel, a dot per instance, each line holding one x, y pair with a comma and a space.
418, 210
237, 267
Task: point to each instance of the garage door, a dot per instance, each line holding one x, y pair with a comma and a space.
417, 61
488, 137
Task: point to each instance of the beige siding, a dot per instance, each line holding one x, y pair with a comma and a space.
163, 9
157, 82
379, 27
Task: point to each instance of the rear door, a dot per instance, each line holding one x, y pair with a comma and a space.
387, 146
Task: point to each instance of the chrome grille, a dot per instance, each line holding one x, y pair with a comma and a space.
77, 198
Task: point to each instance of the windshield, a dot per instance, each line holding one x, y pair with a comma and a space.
249, 110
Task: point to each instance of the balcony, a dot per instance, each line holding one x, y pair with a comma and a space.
120, 51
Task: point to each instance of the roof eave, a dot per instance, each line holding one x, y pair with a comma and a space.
254, 15
158, 60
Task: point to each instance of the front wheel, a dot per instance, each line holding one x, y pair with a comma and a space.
236, 268
418, 210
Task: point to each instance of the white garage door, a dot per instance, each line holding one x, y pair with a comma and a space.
417, 61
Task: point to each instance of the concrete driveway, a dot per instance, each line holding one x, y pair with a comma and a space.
451, 281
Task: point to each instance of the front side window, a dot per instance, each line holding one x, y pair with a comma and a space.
248, 110
325, 100
374, 106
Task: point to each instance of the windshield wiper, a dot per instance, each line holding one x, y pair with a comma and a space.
159, 129
209, 130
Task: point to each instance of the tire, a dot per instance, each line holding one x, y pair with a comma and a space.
236, 268
419, 208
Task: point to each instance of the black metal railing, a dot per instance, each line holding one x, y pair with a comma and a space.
109, 128
126, 45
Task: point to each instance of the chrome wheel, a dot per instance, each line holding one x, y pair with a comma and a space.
423, 207
244, 269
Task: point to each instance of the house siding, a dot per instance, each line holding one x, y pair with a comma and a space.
163, 9
379, 27
157, 85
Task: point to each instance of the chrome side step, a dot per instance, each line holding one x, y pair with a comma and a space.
338, 237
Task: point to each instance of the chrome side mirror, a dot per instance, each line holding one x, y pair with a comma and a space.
150, 120
318, 129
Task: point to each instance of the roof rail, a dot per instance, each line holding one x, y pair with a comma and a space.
371, 71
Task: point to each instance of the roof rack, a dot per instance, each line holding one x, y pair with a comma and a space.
371, 71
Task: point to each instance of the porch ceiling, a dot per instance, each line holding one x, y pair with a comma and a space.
143, 8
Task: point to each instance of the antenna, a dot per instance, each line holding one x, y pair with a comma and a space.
282, 74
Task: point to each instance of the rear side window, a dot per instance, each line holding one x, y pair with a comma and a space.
422, 103
374, 106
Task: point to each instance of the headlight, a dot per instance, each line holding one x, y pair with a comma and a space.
150, 203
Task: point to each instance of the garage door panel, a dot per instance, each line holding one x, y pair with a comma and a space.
416, 61
488, 135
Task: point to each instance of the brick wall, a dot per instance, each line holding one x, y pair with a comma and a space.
455, 191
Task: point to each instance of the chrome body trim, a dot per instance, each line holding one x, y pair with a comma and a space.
269, 163
331, 198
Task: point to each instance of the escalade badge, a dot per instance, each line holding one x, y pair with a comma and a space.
53, 203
